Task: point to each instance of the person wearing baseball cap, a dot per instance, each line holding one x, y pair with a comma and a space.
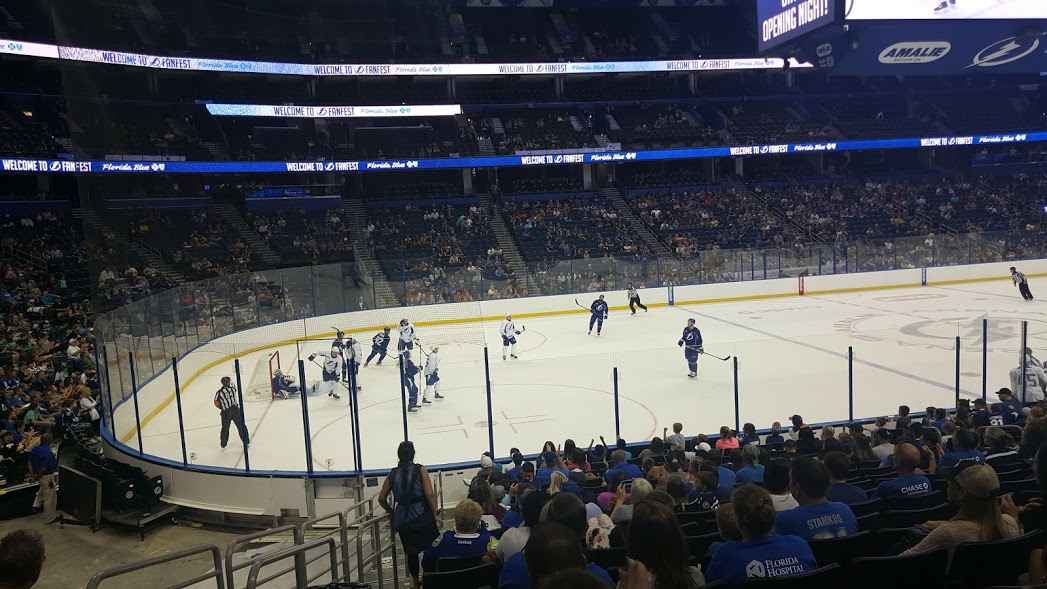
550, 463
975, 488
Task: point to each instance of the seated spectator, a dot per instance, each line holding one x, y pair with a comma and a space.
619, 464
907, 483
975, 488
467, 538
816, 518
966, 443
625, 503
863, 449
727, 441
1034, 435
514, 516
605, 500
749, 435
483, 494
551, 462
752, 471
761, 553
931, 446
883, 448
776, 481
705, 496
513, 474
727, 470
903, 420
678, 491
656, 540
552, 550
798, 424
1001, 452
1033, 515
775, 437
514, 539
806, 443
657, 448
676, 440
839, 489
22, 557
722, 490
567, 510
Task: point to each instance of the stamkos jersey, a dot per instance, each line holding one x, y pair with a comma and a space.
406, 332
432, 364
380, 341
691, 338
508, 329
599, 308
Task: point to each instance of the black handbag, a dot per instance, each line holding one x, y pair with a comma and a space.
421, 531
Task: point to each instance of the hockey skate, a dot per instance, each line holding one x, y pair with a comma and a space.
412, 408
333, 395
514, 356
426, 402
283, 395
944, 7
692, 375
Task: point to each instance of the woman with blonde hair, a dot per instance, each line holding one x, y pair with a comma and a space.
558, 479
88, 409
624, 503
976, 489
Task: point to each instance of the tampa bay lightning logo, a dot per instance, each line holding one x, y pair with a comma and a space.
55, 166
329, 166
1003, 52
359, 69
154, 62
322, 112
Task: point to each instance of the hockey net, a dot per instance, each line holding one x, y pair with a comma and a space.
260, 385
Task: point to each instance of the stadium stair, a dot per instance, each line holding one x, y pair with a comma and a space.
507, 243
357, 220
554, 45
741, 188
486, 147
614, 196
146, 252
258, 245
217, 150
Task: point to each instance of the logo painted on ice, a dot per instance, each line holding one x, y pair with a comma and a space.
1003, 52
918, 52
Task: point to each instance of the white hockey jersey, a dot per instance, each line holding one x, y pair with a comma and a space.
332, 365
508, 329
355, 352
432, 364
406, 332
1035, 383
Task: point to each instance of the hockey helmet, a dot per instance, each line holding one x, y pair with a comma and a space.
435, 349
386, 329
509, 316
336, 351
278, 372
339, 334
405, 354
690, 321
404, 321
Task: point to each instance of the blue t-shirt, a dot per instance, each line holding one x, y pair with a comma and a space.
727, 476
846, 493
747, 439
631, 471
819, 521
514, 574
511, 519
774, 439
454, 545
909, 486
750, 474
544, 476
954, 458
773, 556
513, 474
42, 458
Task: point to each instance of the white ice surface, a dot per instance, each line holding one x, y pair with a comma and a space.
792, 356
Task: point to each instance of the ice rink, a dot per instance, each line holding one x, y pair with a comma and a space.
792, 358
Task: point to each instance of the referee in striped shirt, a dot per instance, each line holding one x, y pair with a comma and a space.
1022, 283
225, 400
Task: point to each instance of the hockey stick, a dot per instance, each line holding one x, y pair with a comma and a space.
715, 356
581, 305
344, 385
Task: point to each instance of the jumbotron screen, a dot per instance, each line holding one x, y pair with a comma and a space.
784, 20
945, 9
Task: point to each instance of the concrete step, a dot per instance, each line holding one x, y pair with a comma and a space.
259, 246
614, 196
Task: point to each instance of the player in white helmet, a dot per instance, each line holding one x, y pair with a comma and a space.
509, 333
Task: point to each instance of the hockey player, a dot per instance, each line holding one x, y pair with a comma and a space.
1035, 383
283, 385
408, 372
1022, 282
432, 376
509, 333
691, 342
599, 314
634, 299
332, 371
339, 344
354, 353
406, 331
379, 347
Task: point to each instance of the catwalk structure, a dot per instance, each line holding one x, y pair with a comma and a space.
792, 357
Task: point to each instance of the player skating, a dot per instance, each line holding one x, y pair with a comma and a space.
634, 299
283, 385
379, 347
509, 333
1022, 282
354, 353
406, 332
432, 376
691, 342
408, 372
339, 344
599, 313
331, 371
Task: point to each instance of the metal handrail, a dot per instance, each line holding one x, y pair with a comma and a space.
298, 552
374, 524
241, 541
216, 574
343, 536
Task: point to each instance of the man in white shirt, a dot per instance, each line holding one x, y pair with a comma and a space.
73, 354
883, 447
